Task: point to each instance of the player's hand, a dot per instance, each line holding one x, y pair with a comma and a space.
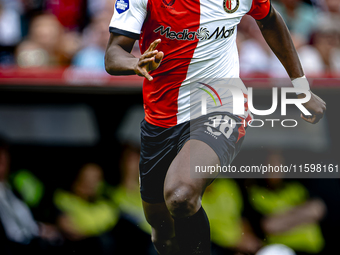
149, 61
316, 106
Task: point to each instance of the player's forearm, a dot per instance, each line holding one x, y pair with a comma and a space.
119, 62
276, 34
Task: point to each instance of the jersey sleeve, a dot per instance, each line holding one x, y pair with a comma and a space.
259, 9
128, 17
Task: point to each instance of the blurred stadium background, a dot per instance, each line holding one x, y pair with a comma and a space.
69, 146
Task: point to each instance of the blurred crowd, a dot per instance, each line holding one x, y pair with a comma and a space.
85, 215
54, 33
315, 29
63, 33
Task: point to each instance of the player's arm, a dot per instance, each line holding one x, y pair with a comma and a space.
120, 61
125, 28
277, 36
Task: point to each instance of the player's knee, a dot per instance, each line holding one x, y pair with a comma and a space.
182, 200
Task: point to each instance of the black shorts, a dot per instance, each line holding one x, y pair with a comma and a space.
159, 147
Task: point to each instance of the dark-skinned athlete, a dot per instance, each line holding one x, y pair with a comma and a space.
182, 42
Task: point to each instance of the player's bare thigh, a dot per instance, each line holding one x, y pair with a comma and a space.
183, 193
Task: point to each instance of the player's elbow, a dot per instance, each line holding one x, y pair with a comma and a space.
108, 65
107, 69
110, 68
110, 62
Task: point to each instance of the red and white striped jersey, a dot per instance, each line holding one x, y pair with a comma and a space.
199, 43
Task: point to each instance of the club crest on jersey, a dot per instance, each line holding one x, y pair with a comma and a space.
231, 6
122, 6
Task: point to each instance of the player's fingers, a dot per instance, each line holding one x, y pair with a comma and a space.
146, 61
144, 73
322, 102
149, 54
150, 47
159, 56
320, 115
309, 119
148, 76
317, 97
153, 45
313, 119
317, 118
320, 99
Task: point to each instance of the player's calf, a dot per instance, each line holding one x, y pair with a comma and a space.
162, 224
165, 246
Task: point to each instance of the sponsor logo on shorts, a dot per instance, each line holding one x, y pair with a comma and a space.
201, 34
